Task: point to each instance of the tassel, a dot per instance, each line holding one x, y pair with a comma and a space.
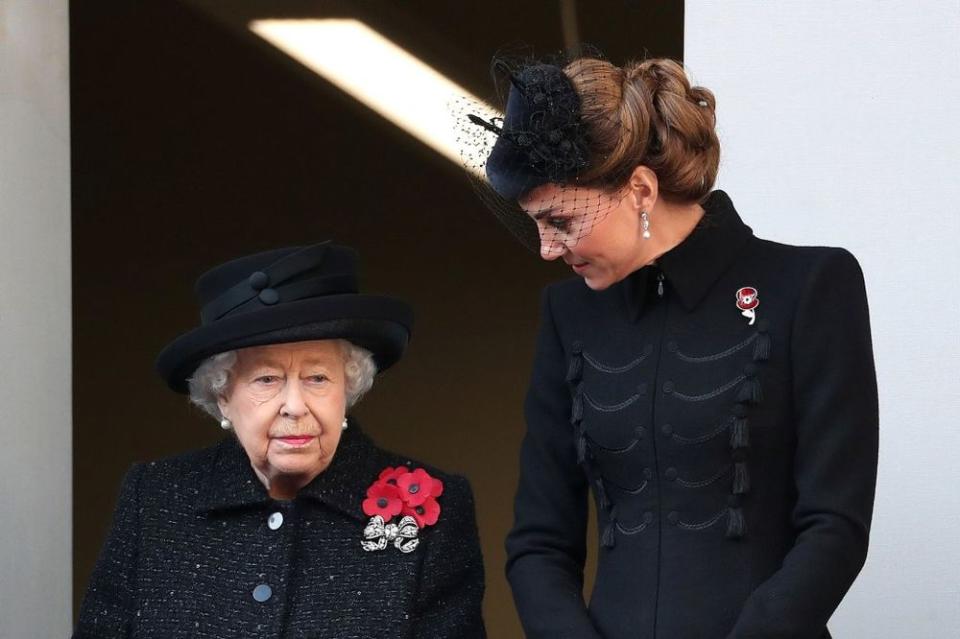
739, 433
750, 391
575, 371
608, 537
761, 350
602, 499
736, 526
576, 411
741, 478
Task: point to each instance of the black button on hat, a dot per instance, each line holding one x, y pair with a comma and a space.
259, 281
269, 296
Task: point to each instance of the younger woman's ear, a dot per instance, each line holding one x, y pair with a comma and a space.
643, 188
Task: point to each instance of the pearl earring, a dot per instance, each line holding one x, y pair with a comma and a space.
226, 424
344, 425
645, 223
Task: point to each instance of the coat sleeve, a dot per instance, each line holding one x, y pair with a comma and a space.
546, 548
450, 596
109, 603
835, 465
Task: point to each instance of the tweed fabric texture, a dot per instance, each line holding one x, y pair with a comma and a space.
196, 551
731, 447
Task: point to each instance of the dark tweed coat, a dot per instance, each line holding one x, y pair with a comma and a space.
733, 462
191, 544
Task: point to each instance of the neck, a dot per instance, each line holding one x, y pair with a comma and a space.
670, 224
282, 486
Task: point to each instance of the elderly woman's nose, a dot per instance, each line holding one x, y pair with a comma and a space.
293, 404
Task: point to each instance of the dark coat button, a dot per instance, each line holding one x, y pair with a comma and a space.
648, 473
668, 387
262, 593
750, 370
670, 473
666, 429
673, 517
269, 296
647, 517
642, 388
259, 281
640, 431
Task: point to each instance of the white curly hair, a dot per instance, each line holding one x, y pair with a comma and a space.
212, 378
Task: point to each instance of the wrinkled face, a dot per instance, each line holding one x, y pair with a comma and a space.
597, 233
287, 403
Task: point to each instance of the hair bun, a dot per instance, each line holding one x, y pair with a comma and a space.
648, 113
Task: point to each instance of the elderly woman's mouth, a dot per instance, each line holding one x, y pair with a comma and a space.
296, 441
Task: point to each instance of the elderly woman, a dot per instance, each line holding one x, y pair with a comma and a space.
295, 525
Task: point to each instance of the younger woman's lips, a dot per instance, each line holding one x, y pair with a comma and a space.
579, 267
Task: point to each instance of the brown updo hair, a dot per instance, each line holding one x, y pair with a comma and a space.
647, 113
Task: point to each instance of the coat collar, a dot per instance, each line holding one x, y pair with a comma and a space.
692, 267
231, 482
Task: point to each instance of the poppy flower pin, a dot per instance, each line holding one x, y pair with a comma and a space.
747, 301
409, 495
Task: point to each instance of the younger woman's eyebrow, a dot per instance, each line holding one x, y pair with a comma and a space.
539, 215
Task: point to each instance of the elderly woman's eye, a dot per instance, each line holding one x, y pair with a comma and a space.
267, 379
318, 378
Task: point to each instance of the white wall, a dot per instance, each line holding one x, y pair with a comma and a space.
841, 126
35, 394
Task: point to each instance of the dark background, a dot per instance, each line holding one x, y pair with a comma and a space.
195, 142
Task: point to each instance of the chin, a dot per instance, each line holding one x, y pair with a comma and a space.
598, 283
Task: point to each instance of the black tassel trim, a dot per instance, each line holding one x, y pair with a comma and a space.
602, 499
581, 446
608, 539
575, 371
736, 526
750, 391
576, 410
761, 349
741, 478
739, 433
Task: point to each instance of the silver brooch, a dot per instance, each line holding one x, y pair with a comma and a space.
378, 535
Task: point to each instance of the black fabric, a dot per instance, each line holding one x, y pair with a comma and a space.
287, 295
190, 543
733, 465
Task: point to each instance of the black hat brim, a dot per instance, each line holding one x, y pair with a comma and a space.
379, 324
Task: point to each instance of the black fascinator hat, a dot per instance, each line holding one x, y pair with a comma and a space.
539, 139
286, 295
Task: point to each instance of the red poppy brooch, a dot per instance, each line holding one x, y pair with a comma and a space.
747, 301
409, 495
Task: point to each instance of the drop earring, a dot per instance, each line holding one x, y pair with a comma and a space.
344, 425
226, 424
645, 224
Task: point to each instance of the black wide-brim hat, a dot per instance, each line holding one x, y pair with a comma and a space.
287, 295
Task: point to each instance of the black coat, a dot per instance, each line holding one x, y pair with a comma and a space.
191, 543
733, 464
